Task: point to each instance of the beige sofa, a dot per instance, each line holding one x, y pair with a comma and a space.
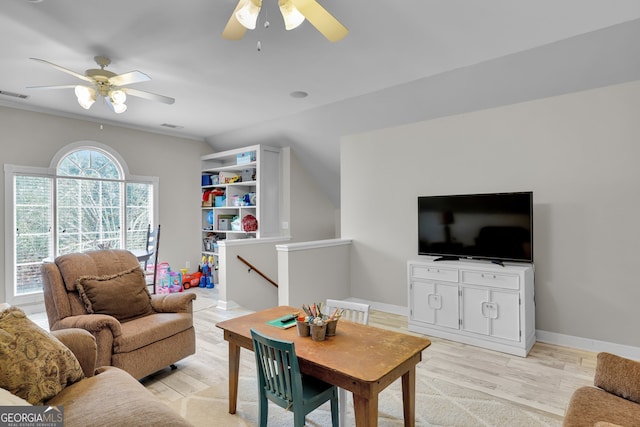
62, 373
615, 399
104, 292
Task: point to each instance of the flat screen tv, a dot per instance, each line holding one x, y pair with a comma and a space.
496, 227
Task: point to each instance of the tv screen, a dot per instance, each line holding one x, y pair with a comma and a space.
496, 226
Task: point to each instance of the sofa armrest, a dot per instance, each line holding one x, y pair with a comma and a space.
618, 376
173, 303
93, 323
83, 346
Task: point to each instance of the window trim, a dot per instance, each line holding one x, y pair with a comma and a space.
10, 171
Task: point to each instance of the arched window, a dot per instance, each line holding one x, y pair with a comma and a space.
85, 201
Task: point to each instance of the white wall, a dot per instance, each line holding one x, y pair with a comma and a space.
311, 272
241, 285
578, 153
312, 215
32, 139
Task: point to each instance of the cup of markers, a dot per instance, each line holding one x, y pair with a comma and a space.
317, 324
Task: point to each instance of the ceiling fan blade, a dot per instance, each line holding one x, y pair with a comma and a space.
234, 29
64, 70
148, 95
129, 78
324, 22
53, 87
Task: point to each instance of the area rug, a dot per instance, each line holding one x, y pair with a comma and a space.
438, 403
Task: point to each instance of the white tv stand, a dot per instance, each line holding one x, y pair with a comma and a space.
474, 302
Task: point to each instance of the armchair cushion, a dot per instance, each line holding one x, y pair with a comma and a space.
34, 365
123, 295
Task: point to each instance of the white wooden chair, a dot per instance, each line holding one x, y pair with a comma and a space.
353, 312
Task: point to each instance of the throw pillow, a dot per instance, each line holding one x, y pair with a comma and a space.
34, 365
123, 295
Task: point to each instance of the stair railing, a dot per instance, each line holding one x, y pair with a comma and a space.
251, 267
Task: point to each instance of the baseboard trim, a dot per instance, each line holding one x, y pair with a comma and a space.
227, 305
380, 306
588, 344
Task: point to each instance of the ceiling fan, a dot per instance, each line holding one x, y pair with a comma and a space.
108, 85
294, 13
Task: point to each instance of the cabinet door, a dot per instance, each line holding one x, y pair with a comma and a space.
435, 303
491, 312
473, 317
506, 323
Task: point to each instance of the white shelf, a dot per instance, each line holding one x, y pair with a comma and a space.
266, 187
230, 168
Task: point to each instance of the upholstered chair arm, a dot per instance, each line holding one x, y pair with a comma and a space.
91, 322
618, 376
83, 346
106, 330
173, 303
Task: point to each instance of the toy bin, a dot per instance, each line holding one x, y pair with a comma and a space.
220, 201
246, 157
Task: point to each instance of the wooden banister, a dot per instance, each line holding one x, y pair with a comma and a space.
251, 267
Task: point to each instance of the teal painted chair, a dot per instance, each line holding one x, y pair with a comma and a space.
280, 381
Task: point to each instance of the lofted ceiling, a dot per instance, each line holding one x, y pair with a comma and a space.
402, 61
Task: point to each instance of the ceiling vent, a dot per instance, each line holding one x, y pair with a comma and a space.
13, 94
168, 125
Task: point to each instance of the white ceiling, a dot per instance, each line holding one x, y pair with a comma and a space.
399, 58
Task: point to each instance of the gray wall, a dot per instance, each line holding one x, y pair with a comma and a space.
32, 139
578, 153
312, 215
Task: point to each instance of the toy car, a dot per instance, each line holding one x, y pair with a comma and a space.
191, 280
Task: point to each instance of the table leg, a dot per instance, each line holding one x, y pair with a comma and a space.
366, 411
234, 367
409, 397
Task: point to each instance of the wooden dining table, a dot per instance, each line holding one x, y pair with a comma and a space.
360, 358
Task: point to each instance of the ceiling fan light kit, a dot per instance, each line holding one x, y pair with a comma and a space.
109, 85
292, 16
248, 13
86, 96
294, 13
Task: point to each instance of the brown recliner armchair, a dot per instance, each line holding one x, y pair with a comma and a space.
615, 399
104, 292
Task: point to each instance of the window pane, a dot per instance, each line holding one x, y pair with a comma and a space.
33, 238
92, 208
139, 214
90, 164
68, 243
28, 279
68, 192
68, 220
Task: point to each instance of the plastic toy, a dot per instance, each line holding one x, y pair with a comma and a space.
191, 280
206, 280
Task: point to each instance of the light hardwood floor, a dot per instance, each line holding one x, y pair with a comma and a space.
543, 381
